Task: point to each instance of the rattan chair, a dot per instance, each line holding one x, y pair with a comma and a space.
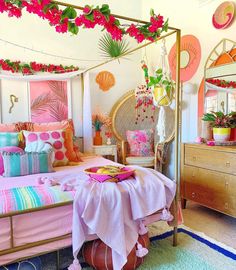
123, 115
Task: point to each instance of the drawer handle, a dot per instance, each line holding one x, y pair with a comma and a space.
226, 184
227, 163
226, 205
193, 194
194, 158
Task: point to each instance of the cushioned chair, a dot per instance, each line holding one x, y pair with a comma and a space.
123, 115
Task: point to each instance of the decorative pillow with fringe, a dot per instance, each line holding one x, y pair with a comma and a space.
18, 164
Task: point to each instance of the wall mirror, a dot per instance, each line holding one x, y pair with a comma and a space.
220, 78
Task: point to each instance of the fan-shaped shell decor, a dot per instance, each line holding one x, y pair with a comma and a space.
105, 80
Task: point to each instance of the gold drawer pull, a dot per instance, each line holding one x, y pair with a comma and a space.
193, 194
226, 184
226, 205
194, 158
227, 163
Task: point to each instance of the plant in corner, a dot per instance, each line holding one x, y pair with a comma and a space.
220, 123
163, 88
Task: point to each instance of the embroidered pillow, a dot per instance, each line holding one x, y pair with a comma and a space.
57, 140
9, 149
9, 139
72, 151
141, 142
18, 164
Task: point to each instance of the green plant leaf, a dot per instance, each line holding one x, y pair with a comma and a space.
74, 29
69, 12
152, 13
159, 71
111, 48
90, 17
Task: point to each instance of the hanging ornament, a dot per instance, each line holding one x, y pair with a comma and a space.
144, 103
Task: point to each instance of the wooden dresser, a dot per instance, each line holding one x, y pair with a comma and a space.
208, 176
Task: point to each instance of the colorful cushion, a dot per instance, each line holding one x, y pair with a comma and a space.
9, 149
72, 151
57, 140
141, 142
9, 139
18, 164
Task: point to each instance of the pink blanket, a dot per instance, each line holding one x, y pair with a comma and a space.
114, 211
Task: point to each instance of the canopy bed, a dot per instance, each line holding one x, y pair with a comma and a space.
20, 238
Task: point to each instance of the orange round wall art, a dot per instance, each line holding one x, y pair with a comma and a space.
223, 15
105, 80
190, 56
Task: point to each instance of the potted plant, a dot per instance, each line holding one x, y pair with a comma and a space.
163, 87
99, 120
220, 123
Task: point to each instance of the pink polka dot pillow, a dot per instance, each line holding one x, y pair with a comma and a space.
55, 138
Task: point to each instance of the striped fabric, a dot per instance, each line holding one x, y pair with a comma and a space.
9, 139
19, 199
18, 164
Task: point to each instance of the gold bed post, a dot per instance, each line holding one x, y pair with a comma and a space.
177, 129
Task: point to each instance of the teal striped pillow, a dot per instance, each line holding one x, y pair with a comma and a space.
9, 139
18, 164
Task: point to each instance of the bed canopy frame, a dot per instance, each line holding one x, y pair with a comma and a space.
171, 31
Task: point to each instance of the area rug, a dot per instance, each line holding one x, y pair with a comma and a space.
195, 251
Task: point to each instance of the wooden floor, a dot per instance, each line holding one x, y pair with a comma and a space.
214, 224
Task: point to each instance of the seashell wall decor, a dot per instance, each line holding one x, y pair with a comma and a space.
105, 80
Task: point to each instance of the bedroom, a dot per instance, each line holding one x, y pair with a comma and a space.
31, 39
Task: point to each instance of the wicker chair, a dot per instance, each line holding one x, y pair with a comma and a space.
123, 115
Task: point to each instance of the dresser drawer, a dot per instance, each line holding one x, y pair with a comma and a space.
212, 199
209, 159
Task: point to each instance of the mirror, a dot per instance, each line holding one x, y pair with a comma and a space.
220, 78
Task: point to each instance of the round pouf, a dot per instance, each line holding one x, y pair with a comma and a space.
98, 255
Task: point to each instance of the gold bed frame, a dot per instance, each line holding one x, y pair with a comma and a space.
11, 215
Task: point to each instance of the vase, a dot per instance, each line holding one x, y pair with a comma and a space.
221, 134
97, 139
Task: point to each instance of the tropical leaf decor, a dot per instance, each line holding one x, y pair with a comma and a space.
111, 48
50, 104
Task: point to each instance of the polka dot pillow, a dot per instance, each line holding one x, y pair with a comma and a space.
55, 138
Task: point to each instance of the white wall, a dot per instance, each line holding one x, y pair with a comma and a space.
195, 19
35, 33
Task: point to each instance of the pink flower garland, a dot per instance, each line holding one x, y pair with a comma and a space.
222, 83
32, 67
67, 20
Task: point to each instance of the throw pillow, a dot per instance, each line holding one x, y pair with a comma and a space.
141, 142
9, 139
72, 151
18, 164
9, 149
12, 127
57, 140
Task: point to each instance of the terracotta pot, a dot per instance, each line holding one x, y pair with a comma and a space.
221, 134
98, 255
97, 139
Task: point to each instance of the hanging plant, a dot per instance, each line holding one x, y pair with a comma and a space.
33, 67
67, 20
111, 48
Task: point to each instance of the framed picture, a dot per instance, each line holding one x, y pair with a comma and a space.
50, 101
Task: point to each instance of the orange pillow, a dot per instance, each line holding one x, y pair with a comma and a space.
72, 152
12, 127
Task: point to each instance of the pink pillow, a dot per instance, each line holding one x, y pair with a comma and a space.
12, 127
9, 149
141, 142
55, 138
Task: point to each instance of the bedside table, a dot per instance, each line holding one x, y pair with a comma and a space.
106, 150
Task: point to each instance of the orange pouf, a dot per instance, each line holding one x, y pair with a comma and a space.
98, 255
